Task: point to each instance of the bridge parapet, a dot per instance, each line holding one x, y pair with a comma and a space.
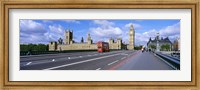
173, 62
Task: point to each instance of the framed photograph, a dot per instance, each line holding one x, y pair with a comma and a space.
88, 44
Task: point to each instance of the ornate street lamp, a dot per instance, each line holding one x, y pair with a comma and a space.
157, 45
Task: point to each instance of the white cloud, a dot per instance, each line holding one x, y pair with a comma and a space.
57, 29
47, 21
105, 30
31, 32
172, 32
135, 25
33, 38
67, 21
34, 32
103, 22
142, 38
30, 26
55, 32
71, 21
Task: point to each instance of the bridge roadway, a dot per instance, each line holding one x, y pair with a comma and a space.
115, 60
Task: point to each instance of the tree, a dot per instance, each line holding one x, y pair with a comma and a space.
138, 47
60, 41
165, 47
82, 40
153, 47
33, 47
162, 47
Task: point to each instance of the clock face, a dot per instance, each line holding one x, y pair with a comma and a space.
131, 32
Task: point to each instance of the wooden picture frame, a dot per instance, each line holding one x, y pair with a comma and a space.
6, 5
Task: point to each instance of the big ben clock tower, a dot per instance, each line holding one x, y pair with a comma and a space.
131, 38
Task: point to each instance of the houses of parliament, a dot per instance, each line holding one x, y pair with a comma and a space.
69, 44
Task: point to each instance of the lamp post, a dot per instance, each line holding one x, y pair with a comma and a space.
157, 45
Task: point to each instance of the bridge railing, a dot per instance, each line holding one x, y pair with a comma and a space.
174, 62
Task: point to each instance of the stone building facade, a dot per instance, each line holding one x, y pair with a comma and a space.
117, 45
158, 42
176, 45
69, 44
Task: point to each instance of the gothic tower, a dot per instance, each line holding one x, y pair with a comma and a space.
89, 39
111, 41
119, 42
131, 37
68, 36
53, 46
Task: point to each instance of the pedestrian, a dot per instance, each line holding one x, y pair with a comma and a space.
29, 52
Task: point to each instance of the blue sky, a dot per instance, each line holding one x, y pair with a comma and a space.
44, 31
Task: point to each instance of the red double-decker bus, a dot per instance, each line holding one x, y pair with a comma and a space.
102, 46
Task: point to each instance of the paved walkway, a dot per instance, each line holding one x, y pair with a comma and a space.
144, 61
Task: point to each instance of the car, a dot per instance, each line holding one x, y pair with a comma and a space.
176, 54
